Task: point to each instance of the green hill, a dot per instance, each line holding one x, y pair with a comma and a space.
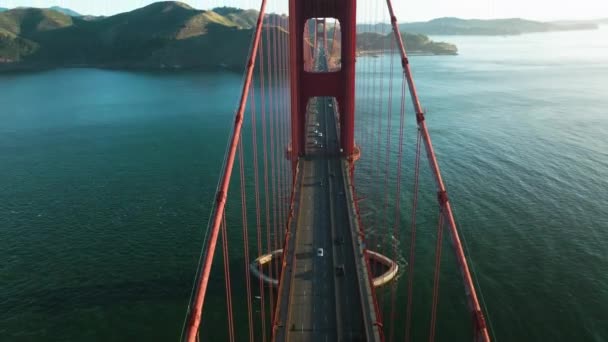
63, 10
501, 27
22, 31
241, 17
375, 43
162, 35
66, 11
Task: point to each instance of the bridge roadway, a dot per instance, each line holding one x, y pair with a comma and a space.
318, 302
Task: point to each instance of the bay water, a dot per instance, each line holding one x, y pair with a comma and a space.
107, 177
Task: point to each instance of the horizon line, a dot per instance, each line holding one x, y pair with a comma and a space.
598, 18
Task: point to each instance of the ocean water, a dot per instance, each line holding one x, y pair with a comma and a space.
106, 179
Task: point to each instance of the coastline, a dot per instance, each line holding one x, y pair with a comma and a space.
376, 53
16, 67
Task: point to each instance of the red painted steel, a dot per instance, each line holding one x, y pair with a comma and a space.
288, 236
482, 333
339, 84
196, 307
370, 276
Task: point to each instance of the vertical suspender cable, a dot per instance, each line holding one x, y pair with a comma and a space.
258, 214
396, 224
481, 329
412, 259
226, 258
271, 115
285, 110
436, 277
245, 239
196, 307
276, 144
268, 222
279, 135
280, 123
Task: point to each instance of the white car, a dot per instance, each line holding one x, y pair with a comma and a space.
320, 252
320, 134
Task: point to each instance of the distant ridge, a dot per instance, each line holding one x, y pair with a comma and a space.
162, 35
490, 27
66, 11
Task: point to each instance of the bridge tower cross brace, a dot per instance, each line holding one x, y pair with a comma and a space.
339, 84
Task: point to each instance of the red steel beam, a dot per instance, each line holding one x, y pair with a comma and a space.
481, 330
305, 84
196, 306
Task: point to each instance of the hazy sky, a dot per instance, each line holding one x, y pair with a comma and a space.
406, 10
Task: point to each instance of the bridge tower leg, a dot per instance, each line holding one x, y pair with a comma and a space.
339, 84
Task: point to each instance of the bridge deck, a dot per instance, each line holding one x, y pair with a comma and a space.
318, 302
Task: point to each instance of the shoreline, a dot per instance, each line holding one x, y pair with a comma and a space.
20, 68
377, 53
8, 68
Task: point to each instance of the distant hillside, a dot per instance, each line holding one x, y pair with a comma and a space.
244, 18
55, 8
373, 43
66, 11
162, 35
495, 27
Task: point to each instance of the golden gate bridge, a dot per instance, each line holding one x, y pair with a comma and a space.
309, 256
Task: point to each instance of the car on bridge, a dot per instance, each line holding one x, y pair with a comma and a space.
340, 270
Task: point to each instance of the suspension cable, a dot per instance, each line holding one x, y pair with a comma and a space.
267, 221
196, 307
245, 240
397, 223
258, 216
481, 329
412, 260
226, 258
